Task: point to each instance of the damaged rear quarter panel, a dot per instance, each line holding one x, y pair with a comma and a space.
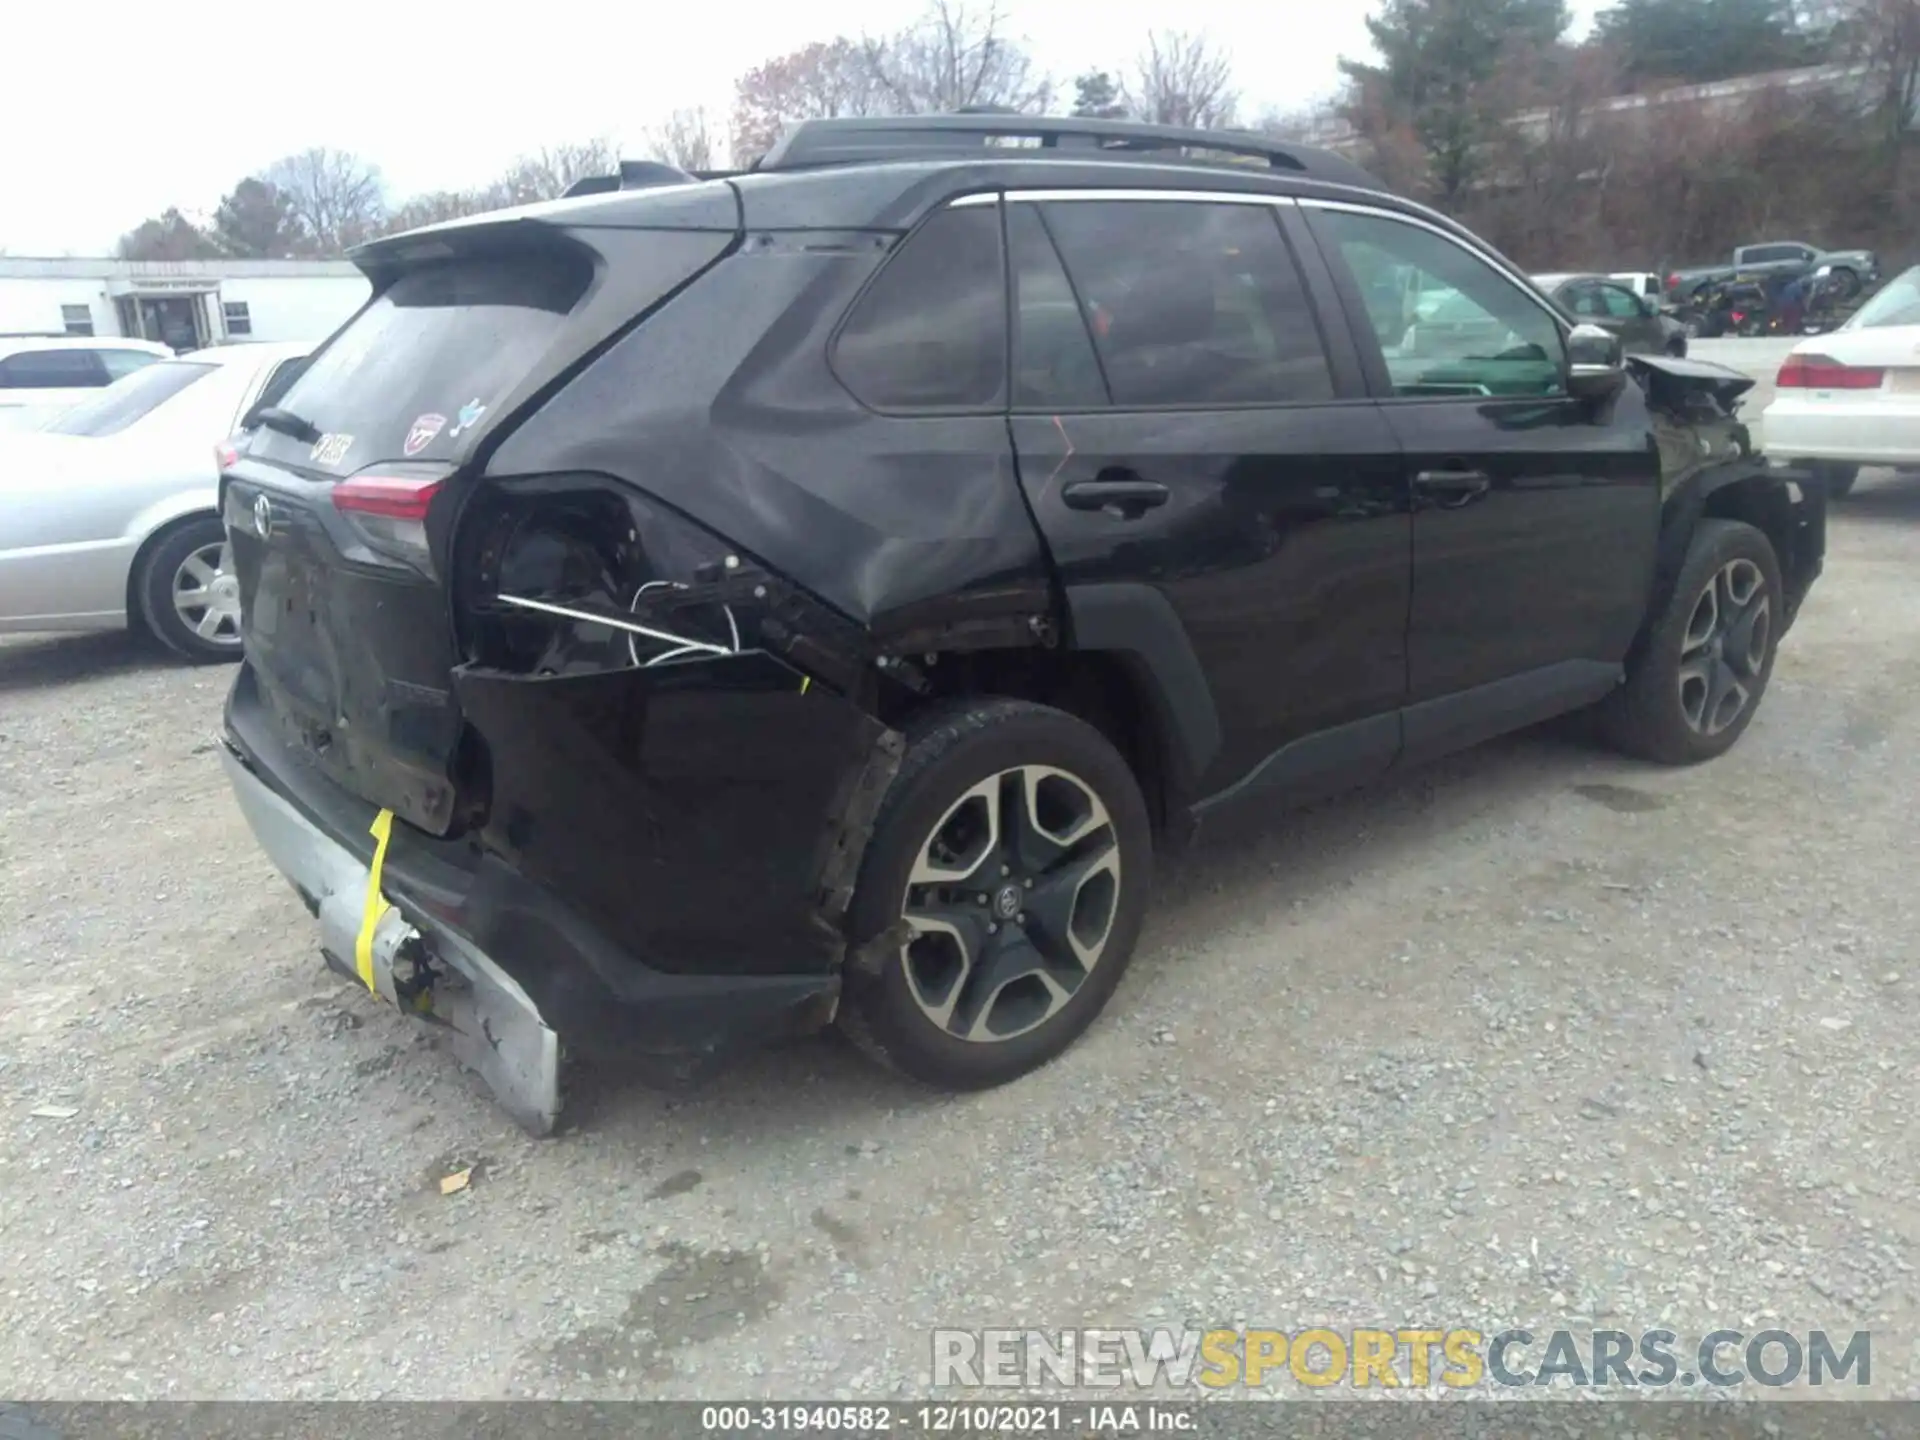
723, 406
707, 814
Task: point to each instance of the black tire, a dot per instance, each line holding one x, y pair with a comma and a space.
1677, 347
1835, 478
1847, 283
949, 753
160, 569
1648, 717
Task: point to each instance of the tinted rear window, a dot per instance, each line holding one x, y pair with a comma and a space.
128, 400
437, 349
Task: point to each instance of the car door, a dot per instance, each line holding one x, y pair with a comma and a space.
1535, 513
1197, 446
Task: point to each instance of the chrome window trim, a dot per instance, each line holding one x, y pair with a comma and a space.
1053, 197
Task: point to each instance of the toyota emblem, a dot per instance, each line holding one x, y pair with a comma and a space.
263, 516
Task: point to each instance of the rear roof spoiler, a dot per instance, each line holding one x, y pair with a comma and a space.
640, 175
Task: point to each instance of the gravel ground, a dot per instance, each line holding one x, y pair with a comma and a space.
1536, 1035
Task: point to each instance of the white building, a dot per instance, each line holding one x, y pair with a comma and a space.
183, 303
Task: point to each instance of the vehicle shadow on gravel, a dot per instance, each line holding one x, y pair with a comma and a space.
43, 661
1242, 876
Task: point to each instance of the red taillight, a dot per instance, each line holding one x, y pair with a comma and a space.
389, 496
1673, 281
225, 455
389, 513
1821, 372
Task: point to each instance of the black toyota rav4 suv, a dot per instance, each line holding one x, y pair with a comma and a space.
690, 613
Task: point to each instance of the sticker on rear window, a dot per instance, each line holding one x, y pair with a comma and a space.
422, 433
331, 449
468, 417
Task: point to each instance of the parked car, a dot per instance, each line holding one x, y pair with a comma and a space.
677, 616
42, 375
110, 514
1851, 397
1853, 270
1603, 301
1644, 283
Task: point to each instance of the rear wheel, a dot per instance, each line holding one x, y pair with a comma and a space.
1002, 892
1694, 688
188, 595
1837, 479
1846, 282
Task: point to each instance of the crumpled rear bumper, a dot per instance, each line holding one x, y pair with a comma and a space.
660, 881
490, 1024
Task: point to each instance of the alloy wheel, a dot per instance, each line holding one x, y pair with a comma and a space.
1010, 903
1725, 647
206, 595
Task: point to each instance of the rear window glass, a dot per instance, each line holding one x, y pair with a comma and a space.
128, 400
427, 358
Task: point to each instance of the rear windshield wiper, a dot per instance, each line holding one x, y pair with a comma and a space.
297, 427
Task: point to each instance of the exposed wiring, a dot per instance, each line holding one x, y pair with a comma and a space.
633, 647
632, 627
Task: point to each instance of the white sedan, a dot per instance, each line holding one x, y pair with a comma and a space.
108, 515
1851, 397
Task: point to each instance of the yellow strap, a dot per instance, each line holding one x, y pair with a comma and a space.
805, 681
377, 906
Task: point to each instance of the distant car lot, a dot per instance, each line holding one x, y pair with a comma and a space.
1535, 1037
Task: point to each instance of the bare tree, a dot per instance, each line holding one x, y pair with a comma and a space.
547, 173
1181, 79
439, 205
336, 197
823, 80
1885, 35
957, 56
684, 139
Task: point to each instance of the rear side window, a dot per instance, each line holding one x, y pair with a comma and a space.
131, 399
72, 369
122, 363
1192, 303
930, 332
1054, 366
431, 354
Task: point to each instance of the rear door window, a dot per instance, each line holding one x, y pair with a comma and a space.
131, 399
122, 363
433, 353
1192, 303
67, 369
1054, 365
930, 332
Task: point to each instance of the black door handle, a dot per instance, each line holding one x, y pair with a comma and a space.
1459, 487
1123, 498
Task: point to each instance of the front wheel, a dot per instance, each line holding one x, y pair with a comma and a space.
1696, 683
1000, 897
188, 594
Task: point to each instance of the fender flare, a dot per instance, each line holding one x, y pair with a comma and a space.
1139, 623
1680, 516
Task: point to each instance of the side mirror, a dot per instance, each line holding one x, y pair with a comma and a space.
1595, 363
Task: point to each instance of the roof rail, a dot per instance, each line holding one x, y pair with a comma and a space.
995, 134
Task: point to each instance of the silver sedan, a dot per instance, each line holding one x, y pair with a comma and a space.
108, 516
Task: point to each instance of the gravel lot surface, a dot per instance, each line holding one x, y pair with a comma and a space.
1537, 1035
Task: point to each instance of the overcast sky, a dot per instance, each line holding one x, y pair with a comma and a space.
115, 109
